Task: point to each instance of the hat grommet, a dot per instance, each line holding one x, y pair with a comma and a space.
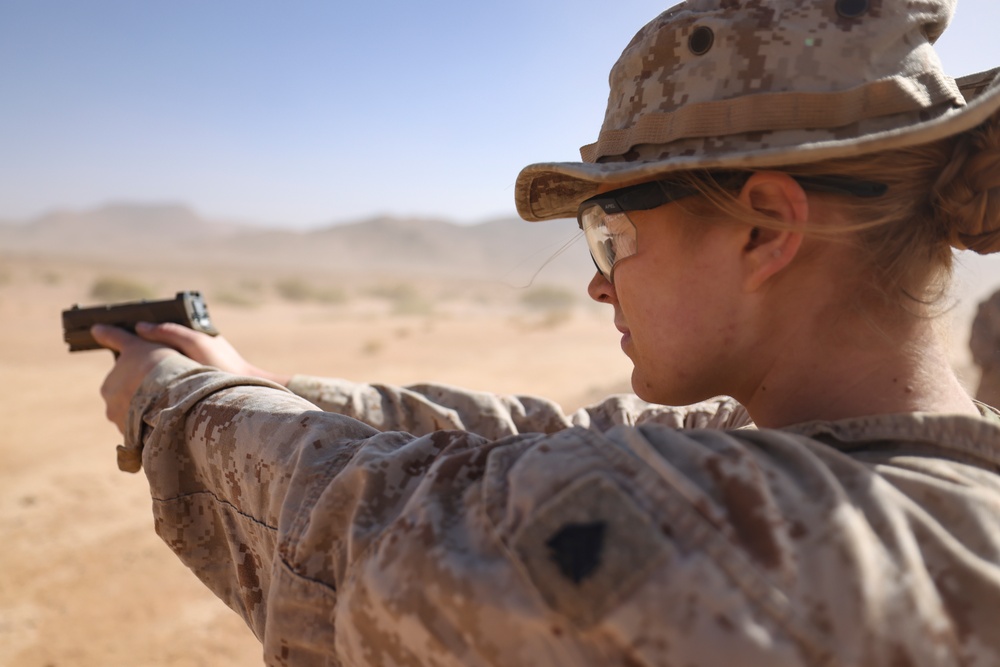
701, 40
851, 9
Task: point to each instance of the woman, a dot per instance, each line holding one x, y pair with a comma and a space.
770, 206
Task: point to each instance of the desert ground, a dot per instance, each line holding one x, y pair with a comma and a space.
85, 582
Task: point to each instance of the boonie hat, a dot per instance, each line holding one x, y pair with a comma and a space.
746, 84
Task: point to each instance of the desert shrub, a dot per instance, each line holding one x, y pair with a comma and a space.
554, 318
404, 299
549, 319
238, 298
244, 294
251, 286
371, 347
413, 306
50, 278
484, 299
120, 288
546, 297
299, 291
397, 292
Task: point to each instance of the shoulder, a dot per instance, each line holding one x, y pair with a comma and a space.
717, 544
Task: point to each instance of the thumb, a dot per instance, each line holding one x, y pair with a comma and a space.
113, 338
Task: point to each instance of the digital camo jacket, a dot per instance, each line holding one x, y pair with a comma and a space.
429, 526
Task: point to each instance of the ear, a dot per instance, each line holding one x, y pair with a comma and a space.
766, 251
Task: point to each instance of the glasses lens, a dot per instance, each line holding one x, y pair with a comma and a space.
610, 236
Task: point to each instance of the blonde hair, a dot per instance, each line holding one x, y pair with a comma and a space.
940, 195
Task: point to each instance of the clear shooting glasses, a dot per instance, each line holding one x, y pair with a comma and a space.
611, 236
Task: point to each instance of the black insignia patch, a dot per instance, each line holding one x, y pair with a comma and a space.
576, 549
588, 548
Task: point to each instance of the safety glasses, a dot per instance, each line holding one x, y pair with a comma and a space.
611, 236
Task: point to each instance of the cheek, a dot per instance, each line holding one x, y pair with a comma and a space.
664, 294
680, 321
675, 288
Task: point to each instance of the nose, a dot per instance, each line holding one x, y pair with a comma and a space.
601, 290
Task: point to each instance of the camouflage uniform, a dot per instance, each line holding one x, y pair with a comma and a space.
624, 534
985, 346
360, 525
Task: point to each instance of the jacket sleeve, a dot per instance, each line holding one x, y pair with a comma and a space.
424, 408
642, 545
342, 544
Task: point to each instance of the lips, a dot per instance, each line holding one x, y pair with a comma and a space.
626, 336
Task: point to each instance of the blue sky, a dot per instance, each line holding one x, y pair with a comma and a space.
305, 112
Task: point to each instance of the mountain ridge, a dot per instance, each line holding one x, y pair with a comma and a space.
170, 232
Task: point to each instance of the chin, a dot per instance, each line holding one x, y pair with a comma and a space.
649, 392
662, 394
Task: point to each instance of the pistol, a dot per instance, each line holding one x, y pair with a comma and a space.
187, 308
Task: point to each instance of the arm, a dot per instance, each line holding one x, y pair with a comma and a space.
341, 543
326, 535
425, 408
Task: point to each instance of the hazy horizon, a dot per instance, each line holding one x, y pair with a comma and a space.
251, 223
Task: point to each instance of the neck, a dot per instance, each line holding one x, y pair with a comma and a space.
867, 373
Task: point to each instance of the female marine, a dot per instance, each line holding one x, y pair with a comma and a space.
771, 206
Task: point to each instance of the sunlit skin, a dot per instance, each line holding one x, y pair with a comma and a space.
674, 307
762, 316
750, 314
137, 355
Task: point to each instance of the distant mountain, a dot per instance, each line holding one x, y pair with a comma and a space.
510, 250
111, 228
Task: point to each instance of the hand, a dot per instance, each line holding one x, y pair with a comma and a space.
135, 359
213, 351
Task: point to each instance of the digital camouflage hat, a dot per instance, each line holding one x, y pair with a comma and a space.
763, 83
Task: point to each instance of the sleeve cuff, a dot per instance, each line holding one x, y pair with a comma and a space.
152, 387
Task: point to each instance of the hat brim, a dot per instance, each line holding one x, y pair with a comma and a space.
550, 190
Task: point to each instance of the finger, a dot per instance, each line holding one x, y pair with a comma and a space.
193, 344
168, 333
111, 337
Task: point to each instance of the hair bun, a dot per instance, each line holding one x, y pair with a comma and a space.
967, 195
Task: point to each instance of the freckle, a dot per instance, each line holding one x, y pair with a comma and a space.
895, 380
763, 387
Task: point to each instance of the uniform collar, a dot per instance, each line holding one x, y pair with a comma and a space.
962, 435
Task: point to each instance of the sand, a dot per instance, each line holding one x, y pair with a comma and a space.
86, 582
